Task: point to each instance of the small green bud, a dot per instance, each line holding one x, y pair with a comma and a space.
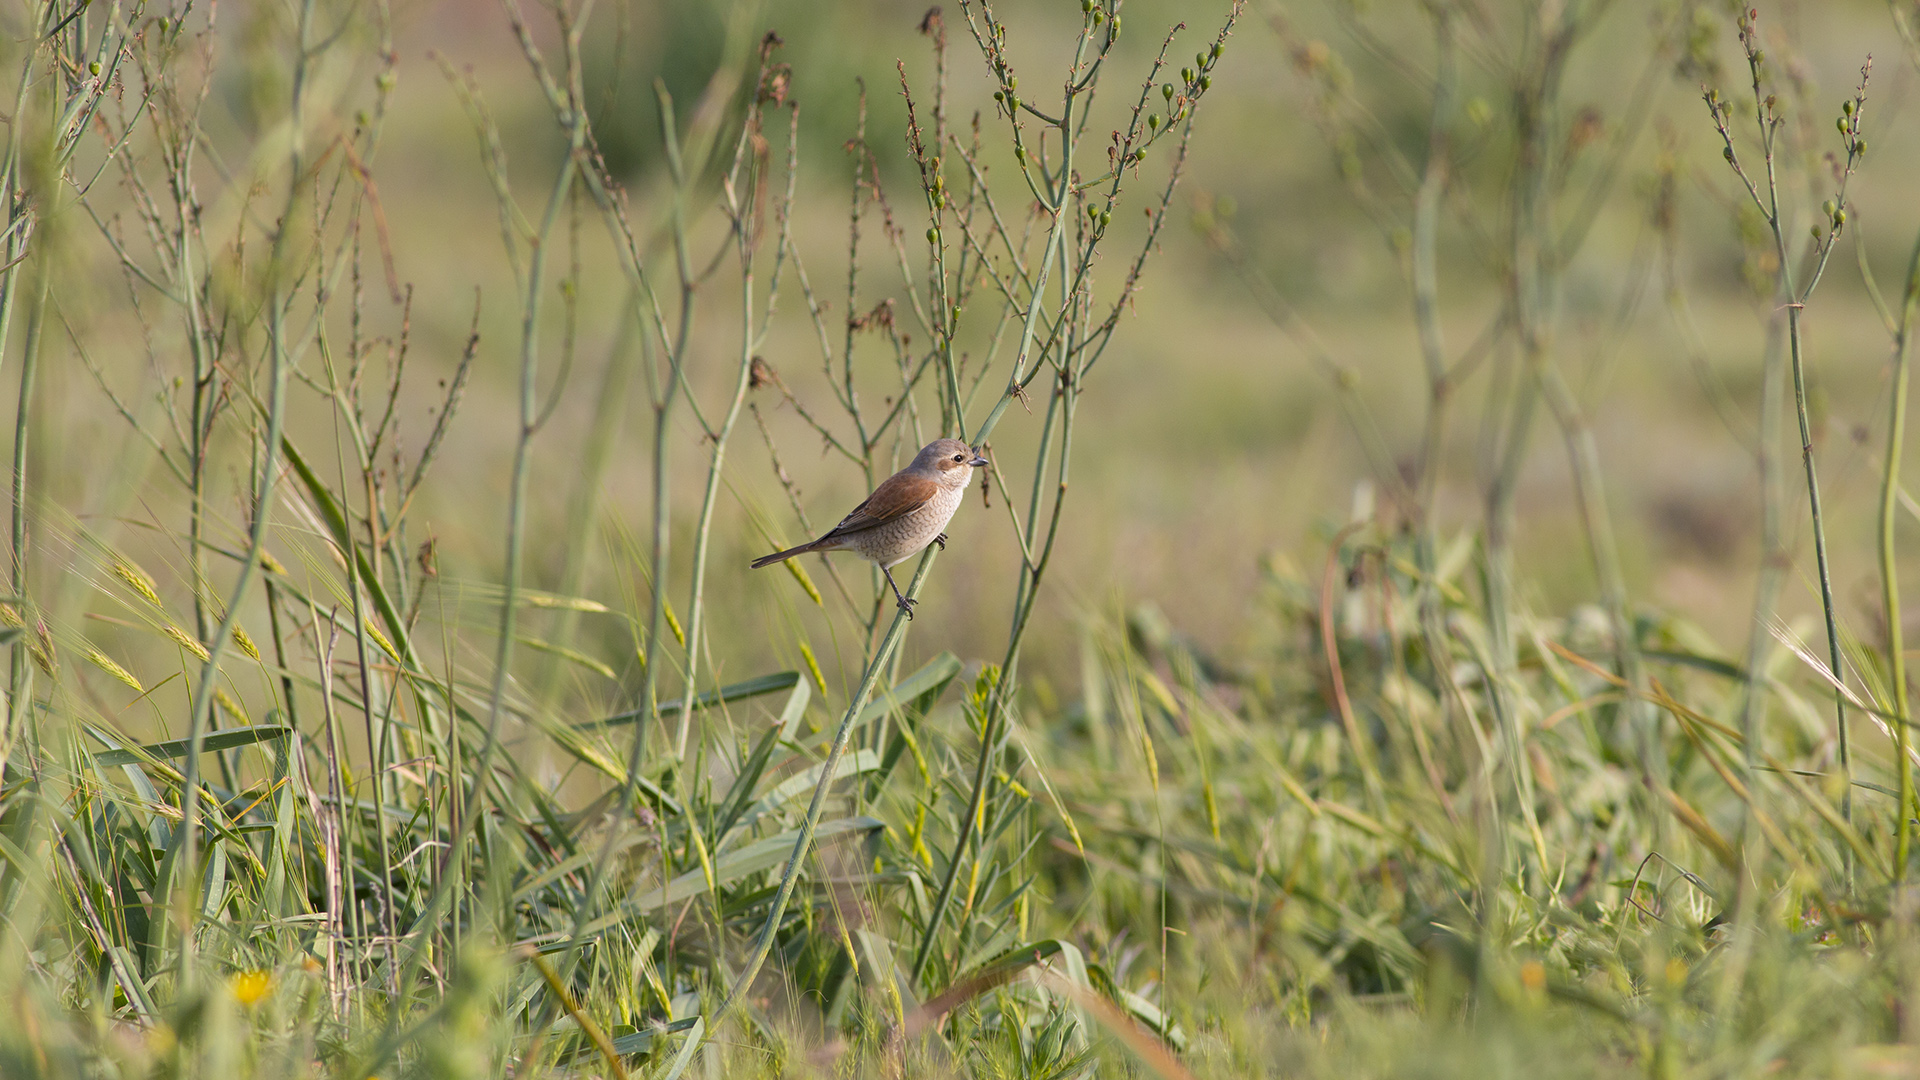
1847, 106
1839, 218
1105, 218
1859, 148
998, 96
93, 68
1841, 124
1020, 154
1099, 17
1759, 56
1206, 82
1828, 207
1727, 153
1816, 232
1153, 122
1215, 51
1166, 91
933, 236
939, 200
1186, 75
385, 82
162, 24
1013, 82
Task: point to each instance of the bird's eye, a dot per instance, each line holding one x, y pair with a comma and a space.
959, 457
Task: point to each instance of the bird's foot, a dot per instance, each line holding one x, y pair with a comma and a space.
906, 605
941, 540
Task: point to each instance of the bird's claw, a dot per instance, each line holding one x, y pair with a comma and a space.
906, 605
941, 540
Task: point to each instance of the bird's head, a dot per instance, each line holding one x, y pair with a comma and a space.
948, 460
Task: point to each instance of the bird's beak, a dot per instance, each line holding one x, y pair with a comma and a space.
978, 461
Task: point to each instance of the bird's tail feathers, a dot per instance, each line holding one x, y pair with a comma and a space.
783, 556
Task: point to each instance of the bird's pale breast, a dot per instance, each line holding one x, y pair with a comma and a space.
903, 537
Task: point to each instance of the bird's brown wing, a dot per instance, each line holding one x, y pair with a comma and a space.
897, 496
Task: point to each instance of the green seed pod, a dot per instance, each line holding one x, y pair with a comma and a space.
1839, 218
1166, 91
1013, 82
1215, 51
1816, 232
998, 96
1186, 75
1106, 218
1153, 122
1847, 106
1859, 148
93, 68
933, 236
1727, 153
1841, 124
1206, 82
1759, 56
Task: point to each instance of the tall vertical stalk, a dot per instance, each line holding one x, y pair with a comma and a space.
181, 872
1889, 560
1765, 196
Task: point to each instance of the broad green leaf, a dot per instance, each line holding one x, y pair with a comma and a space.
765, 684
177, 748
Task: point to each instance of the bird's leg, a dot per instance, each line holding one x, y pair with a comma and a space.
905, 604
941, 540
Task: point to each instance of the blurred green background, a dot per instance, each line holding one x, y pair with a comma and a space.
1212, 438
1267, 388
1214, 441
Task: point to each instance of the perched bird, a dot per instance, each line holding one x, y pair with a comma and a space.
903, 515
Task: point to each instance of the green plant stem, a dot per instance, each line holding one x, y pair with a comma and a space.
475, 799
182, 859
746, 244
810, 823
20, 686
1889, 564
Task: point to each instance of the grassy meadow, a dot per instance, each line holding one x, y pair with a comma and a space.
1435, 607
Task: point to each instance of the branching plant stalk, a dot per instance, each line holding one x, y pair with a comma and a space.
1765, 196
